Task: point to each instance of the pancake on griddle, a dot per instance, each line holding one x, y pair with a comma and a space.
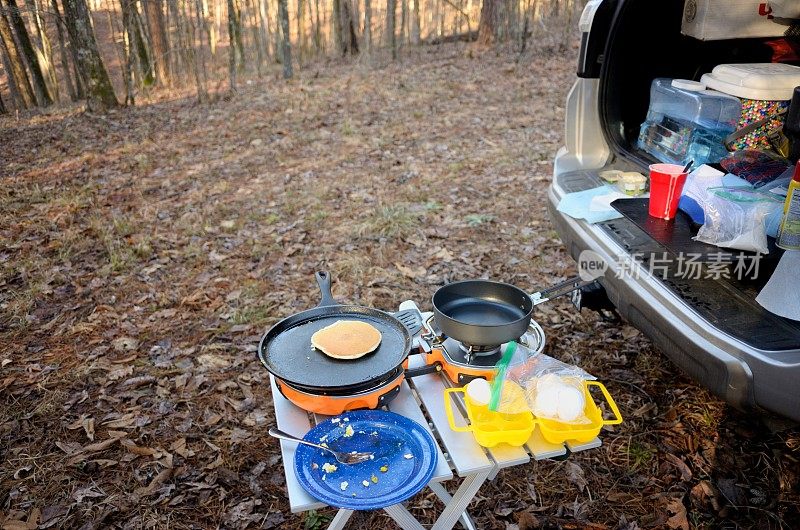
347, 339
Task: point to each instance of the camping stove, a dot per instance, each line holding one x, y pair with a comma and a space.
463, 362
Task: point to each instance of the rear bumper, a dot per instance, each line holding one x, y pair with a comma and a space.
742, 376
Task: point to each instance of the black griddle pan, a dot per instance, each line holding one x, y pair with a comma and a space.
286, 351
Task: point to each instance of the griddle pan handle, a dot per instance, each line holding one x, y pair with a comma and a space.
424, 370
324, 282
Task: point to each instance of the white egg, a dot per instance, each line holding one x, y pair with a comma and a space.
548, 381
570, 403
546, 402
479, 391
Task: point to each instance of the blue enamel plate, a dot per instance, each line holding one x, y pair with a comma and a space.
403, 463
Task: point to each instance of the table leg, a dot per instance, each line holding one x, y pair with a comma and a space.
403, 517
445, 497
463, 496
342, 516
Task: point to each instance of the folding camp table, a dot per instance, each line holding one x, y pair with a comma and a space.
458, 453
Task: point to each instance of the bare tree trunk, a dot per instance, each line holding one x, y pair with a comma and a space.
123, 52
44, 50
489, 28
79, 25
191, 51
13, 89
235, 34
368, 25
415, 22
234, 52
159, 44
318, 29
202, 72
2, 106
348, 28
311, 27
216, 26
16, 68
37, 77
256, 37
301, 34
286, 45
62, 49
403, 21
338, 34
391, 17
140, 61
263, 18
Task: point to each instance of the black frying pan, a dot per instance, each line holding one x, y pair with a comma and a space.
286, 351
486, 313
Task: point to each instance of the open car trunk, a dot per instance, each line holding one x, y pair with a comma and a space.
645, 42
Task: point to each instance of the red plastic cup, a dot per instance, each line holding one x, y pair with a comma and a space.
666, 185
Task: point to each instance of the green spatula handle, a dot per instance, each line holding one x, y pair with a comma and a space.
500, 375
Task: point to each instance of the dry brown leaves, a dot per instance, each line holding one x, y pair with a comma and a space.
142, 256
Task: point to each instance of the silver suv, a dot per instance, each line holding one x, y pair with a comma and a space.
710, 326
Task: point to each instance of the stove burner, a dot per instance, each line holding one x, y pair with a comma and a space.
478, 351
460, 353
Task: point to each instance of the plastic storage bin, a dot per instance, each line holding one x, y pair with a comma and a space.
765, 90
688, 122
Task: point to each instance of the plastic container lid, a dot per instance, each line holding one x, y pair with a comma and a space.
761, 81
688, 84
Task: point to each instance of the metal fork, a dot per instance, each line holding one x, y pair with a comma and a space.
342, 457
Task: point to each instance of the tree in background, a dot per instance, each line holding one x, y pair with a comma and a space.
37, 77
391, 17
62, 48
347, 27
163, 42
286, 44
13, 65
43, 49
159, 43
141, 64
490, 21
100, 92
367, 25
235, 46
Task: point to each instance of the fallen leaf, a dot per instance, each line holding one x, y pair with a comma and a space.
210, 361
159, 479
124, 344
686, 473
678, 520
131, 446
575, 474
92, 491
410, 272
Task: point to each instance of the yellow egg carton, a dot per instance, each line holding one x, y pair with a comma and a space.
491, 428
559, 432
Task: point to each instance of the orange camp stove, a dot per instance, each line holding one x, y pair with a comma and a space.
334, 403
463, 362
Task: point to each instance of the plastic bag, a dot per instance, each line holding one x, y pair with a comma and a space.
695, 191
548, 388
755, 166
734, 218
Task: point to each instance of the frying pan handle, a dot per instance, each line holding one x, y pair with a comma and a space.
324, 282
559, 289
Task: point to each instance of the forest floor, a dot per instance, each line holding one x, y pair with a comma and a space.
144, 252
